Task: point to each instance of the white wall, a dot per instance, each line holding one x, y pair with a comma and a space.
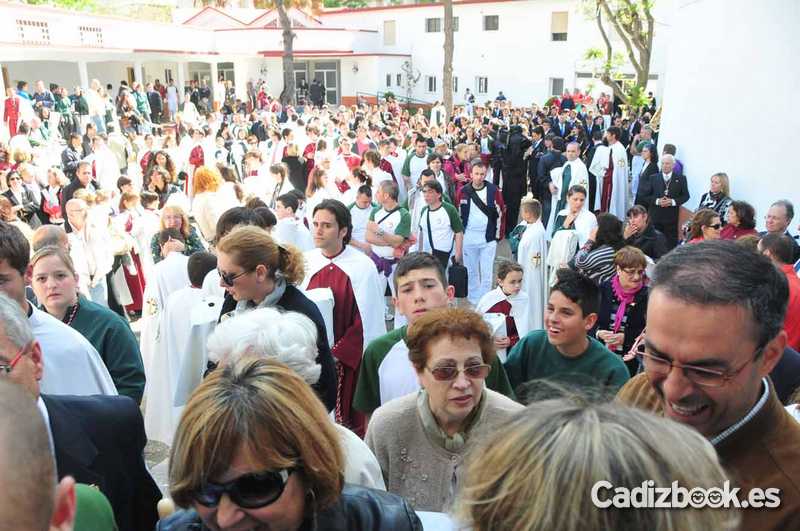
63, 73
109, 72
726, 96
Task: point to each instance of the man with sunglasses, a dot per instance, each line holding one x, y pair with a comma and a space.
386, 371
714, 333
98, 440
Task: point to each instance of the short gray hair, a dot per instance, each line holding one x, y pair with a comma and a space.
288, 337
15, 324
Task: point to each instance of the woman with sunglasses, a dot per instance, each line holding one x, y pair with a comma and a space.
23, 200
255, 449
623, 304
706, 225
420, 439
257, 272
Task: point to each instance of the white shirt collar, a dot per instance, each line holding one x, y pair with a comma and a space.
667, 176
715, 441
46, 417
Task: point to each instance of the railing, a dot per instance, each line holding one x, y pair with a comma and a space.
401, 99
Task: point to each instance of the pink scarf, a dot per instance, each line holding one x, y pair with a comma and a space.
625, 298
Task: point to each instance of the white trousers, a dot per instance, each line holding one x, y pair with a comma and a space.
479, 261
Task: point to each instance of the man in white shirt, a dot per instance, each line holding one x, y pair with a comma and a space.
440, 231
359, 213
90, 250
289, 229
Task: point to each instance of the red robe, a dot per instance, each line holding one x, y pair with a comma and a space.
386, 166
608, 184
308, 154
348, 344
136, 283
352, 160
504, 307
12, 114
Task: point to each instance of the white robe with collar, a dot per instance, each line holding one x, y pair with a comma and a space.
532, 256
579, 175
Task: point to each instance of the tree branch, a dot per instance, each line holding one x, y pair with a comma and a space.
605, 77
625, 39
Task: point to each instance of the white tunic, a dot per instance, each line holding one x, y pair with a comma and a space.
532, 256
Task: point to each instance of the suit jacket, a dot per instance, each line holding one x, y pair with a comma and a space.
556, 128
31, 206
653, 188
99, 441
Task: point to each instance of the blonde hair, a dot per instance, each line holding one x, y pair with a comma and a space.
725, 183
85, 195
538, 470
206, 179
186, 228
53, 250
253, 246
262, 408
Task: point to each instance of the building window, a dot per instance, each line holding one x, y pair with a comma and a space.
556, 86
491, 23
389, 32
455, 84
455, 24
91, 36
558, 26
33, 31
388, 80
482, 85
433, 25
431, 83
399, 79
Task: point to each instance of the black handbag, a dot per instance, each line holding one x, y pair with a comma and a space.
457, 277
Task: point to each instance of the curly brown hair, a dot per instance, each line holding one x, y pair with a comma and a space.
448, 322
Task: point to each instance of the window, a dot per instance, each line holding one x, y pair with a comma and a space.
483, 85
433, 25
431, 83
399, 80
455, 84
491, 23
556, 86
33, 31
91, 36
389, 32
388, 80
558, 26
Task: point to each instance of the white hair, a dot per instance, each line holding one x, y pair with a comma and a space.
288, 337
15, 325
667, 157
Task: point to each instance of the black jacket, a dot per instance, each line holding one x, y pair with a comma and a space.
550, 160
786, 375
650, 241
69, 161
358, 509
293, 300
99, 441
653, 188
31, 206
636, 314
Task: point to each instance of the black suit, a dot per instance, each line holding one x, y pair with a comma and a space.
99, 441
664, 219
556, 129
550, 160
533, 165
31, 206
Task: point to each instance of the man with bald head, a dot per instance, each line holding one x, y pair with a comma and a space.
663, 194
31, 500
50, 235
90, 250
84, 430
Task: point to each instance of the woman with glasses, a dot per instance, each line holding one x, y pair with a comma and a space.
23, 200
623, 304
420, 439
257, 272
706, 225
255, 449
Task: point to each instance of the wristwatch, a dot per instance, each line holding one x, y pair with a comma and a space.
380, 232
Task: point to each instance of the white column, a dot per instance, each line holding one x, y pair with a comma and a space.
240, 79
181, 79
214, 78
138, 71
83, 73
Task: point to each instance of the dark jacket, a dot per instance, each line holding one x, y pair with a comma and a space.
156, 103
636, 314
31, 206
357, 509
653, 188
69, 161
786, 375
99, 441
294, 300
650, 241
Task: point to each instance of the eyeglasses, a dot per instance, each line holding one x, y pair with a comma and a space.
658, 366
249, 491
451, 372
229, 278
8, 367
633, 272
715, 226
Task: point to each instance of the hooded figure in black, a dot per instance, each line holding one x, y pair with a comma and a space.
513, 168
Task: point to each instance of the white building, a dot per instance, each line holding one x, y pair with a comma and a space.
529, 49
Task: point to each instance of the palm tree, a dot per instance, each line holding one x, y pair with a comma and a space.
282, 6
447, 74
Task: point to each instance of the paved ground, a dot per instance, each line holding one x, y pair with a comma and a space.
156, 453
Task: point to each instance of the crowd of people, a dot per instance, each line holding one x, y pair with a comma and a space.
370, 317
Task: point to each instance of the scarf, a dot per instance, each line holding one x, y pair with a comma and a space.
456, 442
270, 300
625, 298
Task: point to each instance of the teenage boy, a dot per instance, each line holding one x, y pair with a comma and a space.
386, 372
563, 351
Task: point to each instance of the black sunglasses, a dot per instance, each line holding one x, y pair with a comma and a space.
230, 278
715, 226
249, 491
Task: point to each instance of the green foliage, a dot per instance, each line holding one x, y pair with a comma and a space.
76, 5
352, 4
637, 96
389, 94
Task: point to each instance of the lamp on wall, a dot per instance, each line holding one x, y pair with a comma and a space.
355, 69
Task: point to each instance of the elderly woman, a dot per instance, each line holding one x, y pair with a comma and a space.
173, 217
291, 338
540, 471
211, 199
55, 283
255, 449
623, 304
23, 200
741, 217
257, 272
718, 196
420, 439
705, 225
